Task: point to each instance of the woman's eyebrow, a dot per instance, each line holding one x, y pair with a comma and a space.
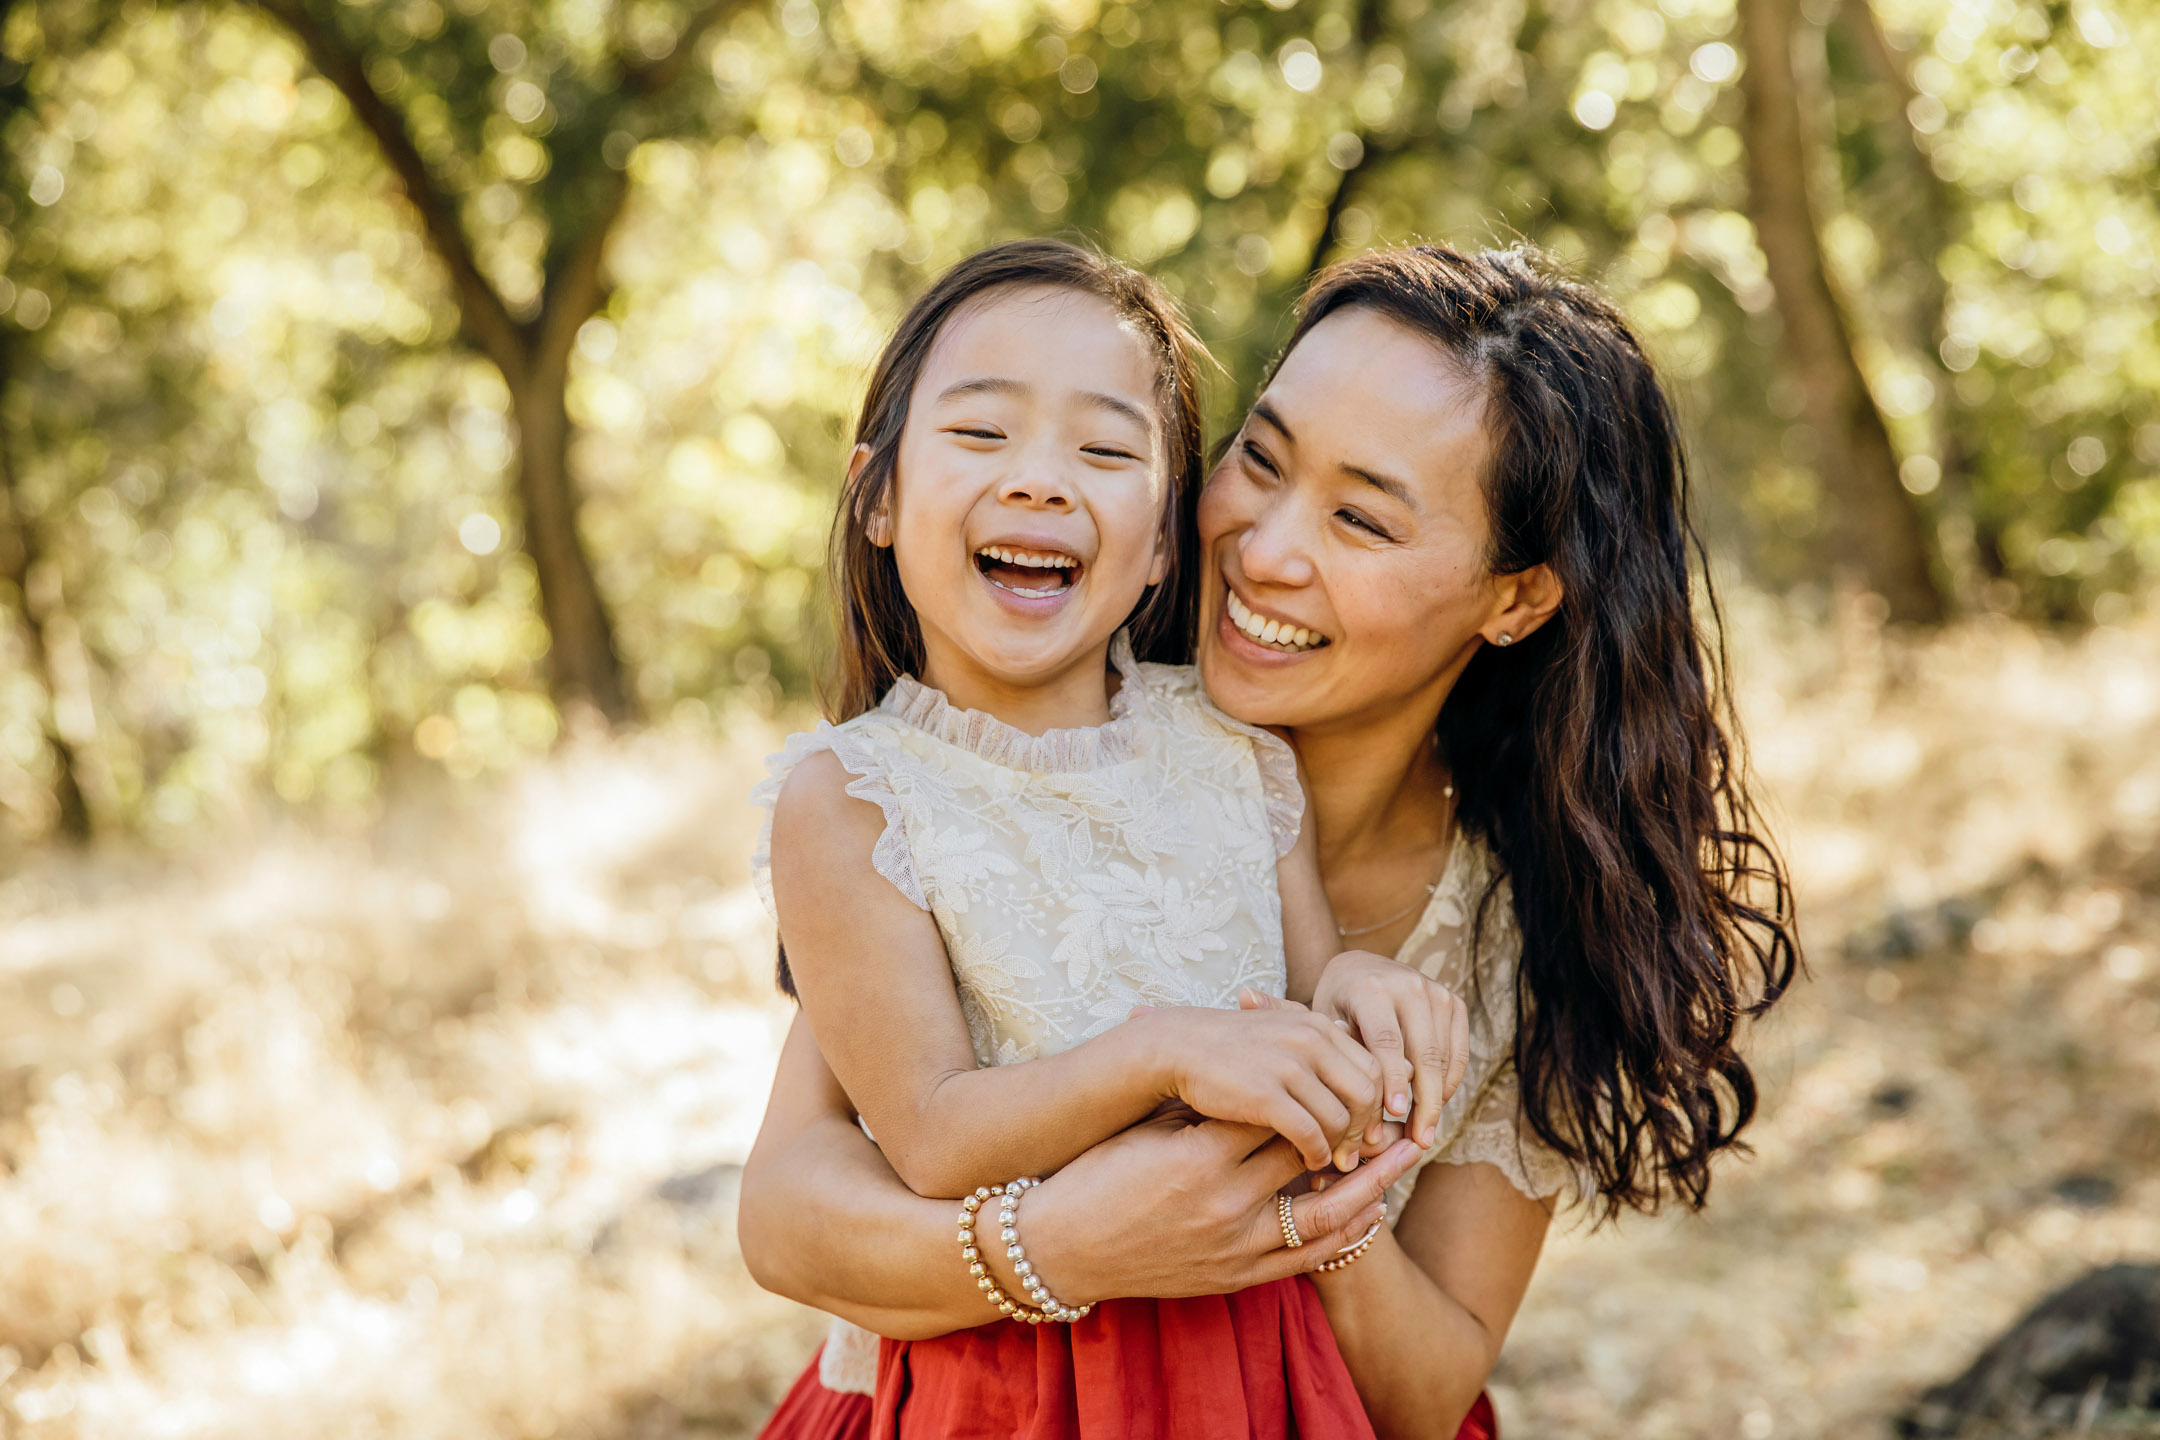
1265, 414
1392, 488
1387, 485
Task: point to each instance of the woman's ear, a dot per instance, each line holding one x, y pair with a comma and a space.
879, 526
1527, 599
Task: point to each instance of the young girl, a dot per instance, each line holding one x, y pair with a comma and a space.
1022, 887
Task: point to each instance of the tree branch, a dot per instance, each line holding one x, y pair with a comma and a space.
655, 76
486, 318
1372, 154
573, 290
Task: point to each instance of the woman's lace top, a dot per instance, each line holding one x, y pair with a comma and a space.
1077, 873
1482, 1122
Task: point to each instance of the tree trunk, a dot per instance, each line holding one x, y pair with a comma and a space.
583, 665
1930, 214
532, 357
1875, 524
21, 565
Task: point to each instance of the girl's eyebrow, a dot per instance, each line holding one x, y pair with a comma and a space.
999, 385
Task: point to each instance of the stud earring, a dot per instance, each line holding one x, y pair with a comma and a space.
1505, 639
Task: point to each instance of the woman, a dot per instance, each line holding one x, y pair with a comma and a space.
1464, 475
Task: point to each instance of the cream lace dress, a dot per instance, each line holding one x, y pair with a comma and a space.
1079, 873
1073, 874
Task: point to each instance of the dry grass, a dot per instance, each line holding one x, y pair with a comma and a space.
429, 1131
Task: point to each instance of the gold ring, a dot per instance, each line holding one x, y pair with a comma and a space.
1289, 1225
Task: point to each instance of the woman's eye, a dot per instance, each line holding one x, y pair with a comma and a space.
1351, 517
1259, 457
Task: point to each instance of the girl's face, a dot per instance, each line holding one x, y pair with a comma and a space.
1026, 510
1344, 535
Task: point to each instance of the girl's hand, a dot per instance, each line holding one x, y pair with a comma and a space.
1416, 1027
1291, 1071
1172, 1208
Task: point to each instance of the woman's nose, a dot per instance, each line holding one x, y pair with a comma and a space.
1276, 548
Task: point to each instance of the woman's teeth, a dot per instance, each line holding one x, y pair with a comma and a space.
1272, 632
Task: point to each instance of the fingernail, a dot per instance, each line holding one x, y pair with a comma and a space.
1342, 1022
1348, 1165
1398, 1107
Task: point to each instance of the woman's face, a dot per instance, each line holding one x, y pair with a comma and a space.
1349, 515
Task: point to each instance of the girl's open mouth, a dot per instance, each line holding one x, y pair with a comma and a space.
1030, 574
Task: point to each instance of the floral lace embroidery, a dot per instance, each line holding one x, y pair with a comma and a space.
1076, 874
1482, 1121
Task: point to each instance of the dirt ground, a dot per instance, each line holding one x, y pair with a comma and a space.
429, 1129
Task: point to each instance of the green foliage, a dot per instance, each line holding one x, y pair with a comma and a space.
277, 487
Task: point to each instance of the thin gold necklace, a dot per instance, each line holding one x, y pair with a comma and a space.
1344, 932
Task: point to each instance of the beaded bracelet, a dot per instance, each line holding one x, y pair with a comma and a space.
1353, 1252
1050, 1308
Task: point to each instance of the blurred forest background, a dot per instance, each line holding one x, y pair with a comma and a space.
419, 421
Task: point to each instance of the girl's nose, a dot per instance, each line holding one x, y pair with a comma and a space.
1038, 489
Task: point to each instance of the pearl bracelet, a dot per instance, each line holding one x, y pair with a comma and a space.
1008, 1197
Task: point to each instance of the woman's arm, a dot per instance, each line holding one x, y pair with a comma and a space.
824, 1220
1421, 1318
1167, 1208
877, 985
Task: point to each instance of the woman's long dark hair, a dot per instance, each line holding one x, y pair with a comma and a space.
1598, 756
880, 639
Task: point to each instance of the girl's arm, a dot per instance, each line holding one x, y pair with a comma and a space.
1421, 1318
877, 987
1164, 1209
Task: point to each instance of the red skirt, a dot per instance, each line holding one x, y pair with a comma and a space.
1258, 1365
812, 1412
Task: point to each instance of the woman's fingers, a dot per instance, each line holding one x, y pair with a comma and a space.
1345, 1199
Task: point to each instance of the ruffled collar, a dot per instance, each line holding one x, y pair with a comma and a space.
1088, 747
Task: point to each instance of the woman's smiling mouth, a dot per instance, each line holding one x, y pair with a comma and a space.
1274, 633
1030, 574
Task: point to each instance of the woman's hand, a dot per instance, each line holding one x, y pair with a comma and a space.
1414, 1026
1172, 1208
1288, 1070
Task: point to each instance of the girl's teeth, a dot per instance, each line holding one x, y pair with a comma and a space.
1030, 558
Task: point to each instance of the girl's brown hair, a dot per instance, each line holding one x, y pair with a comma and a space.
879, 638
1599, 756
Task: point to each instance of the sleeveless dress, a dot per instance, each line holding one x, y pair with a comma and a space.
1073, 876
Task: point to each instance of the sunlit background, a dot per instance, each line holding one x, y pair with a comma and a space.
419, 421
